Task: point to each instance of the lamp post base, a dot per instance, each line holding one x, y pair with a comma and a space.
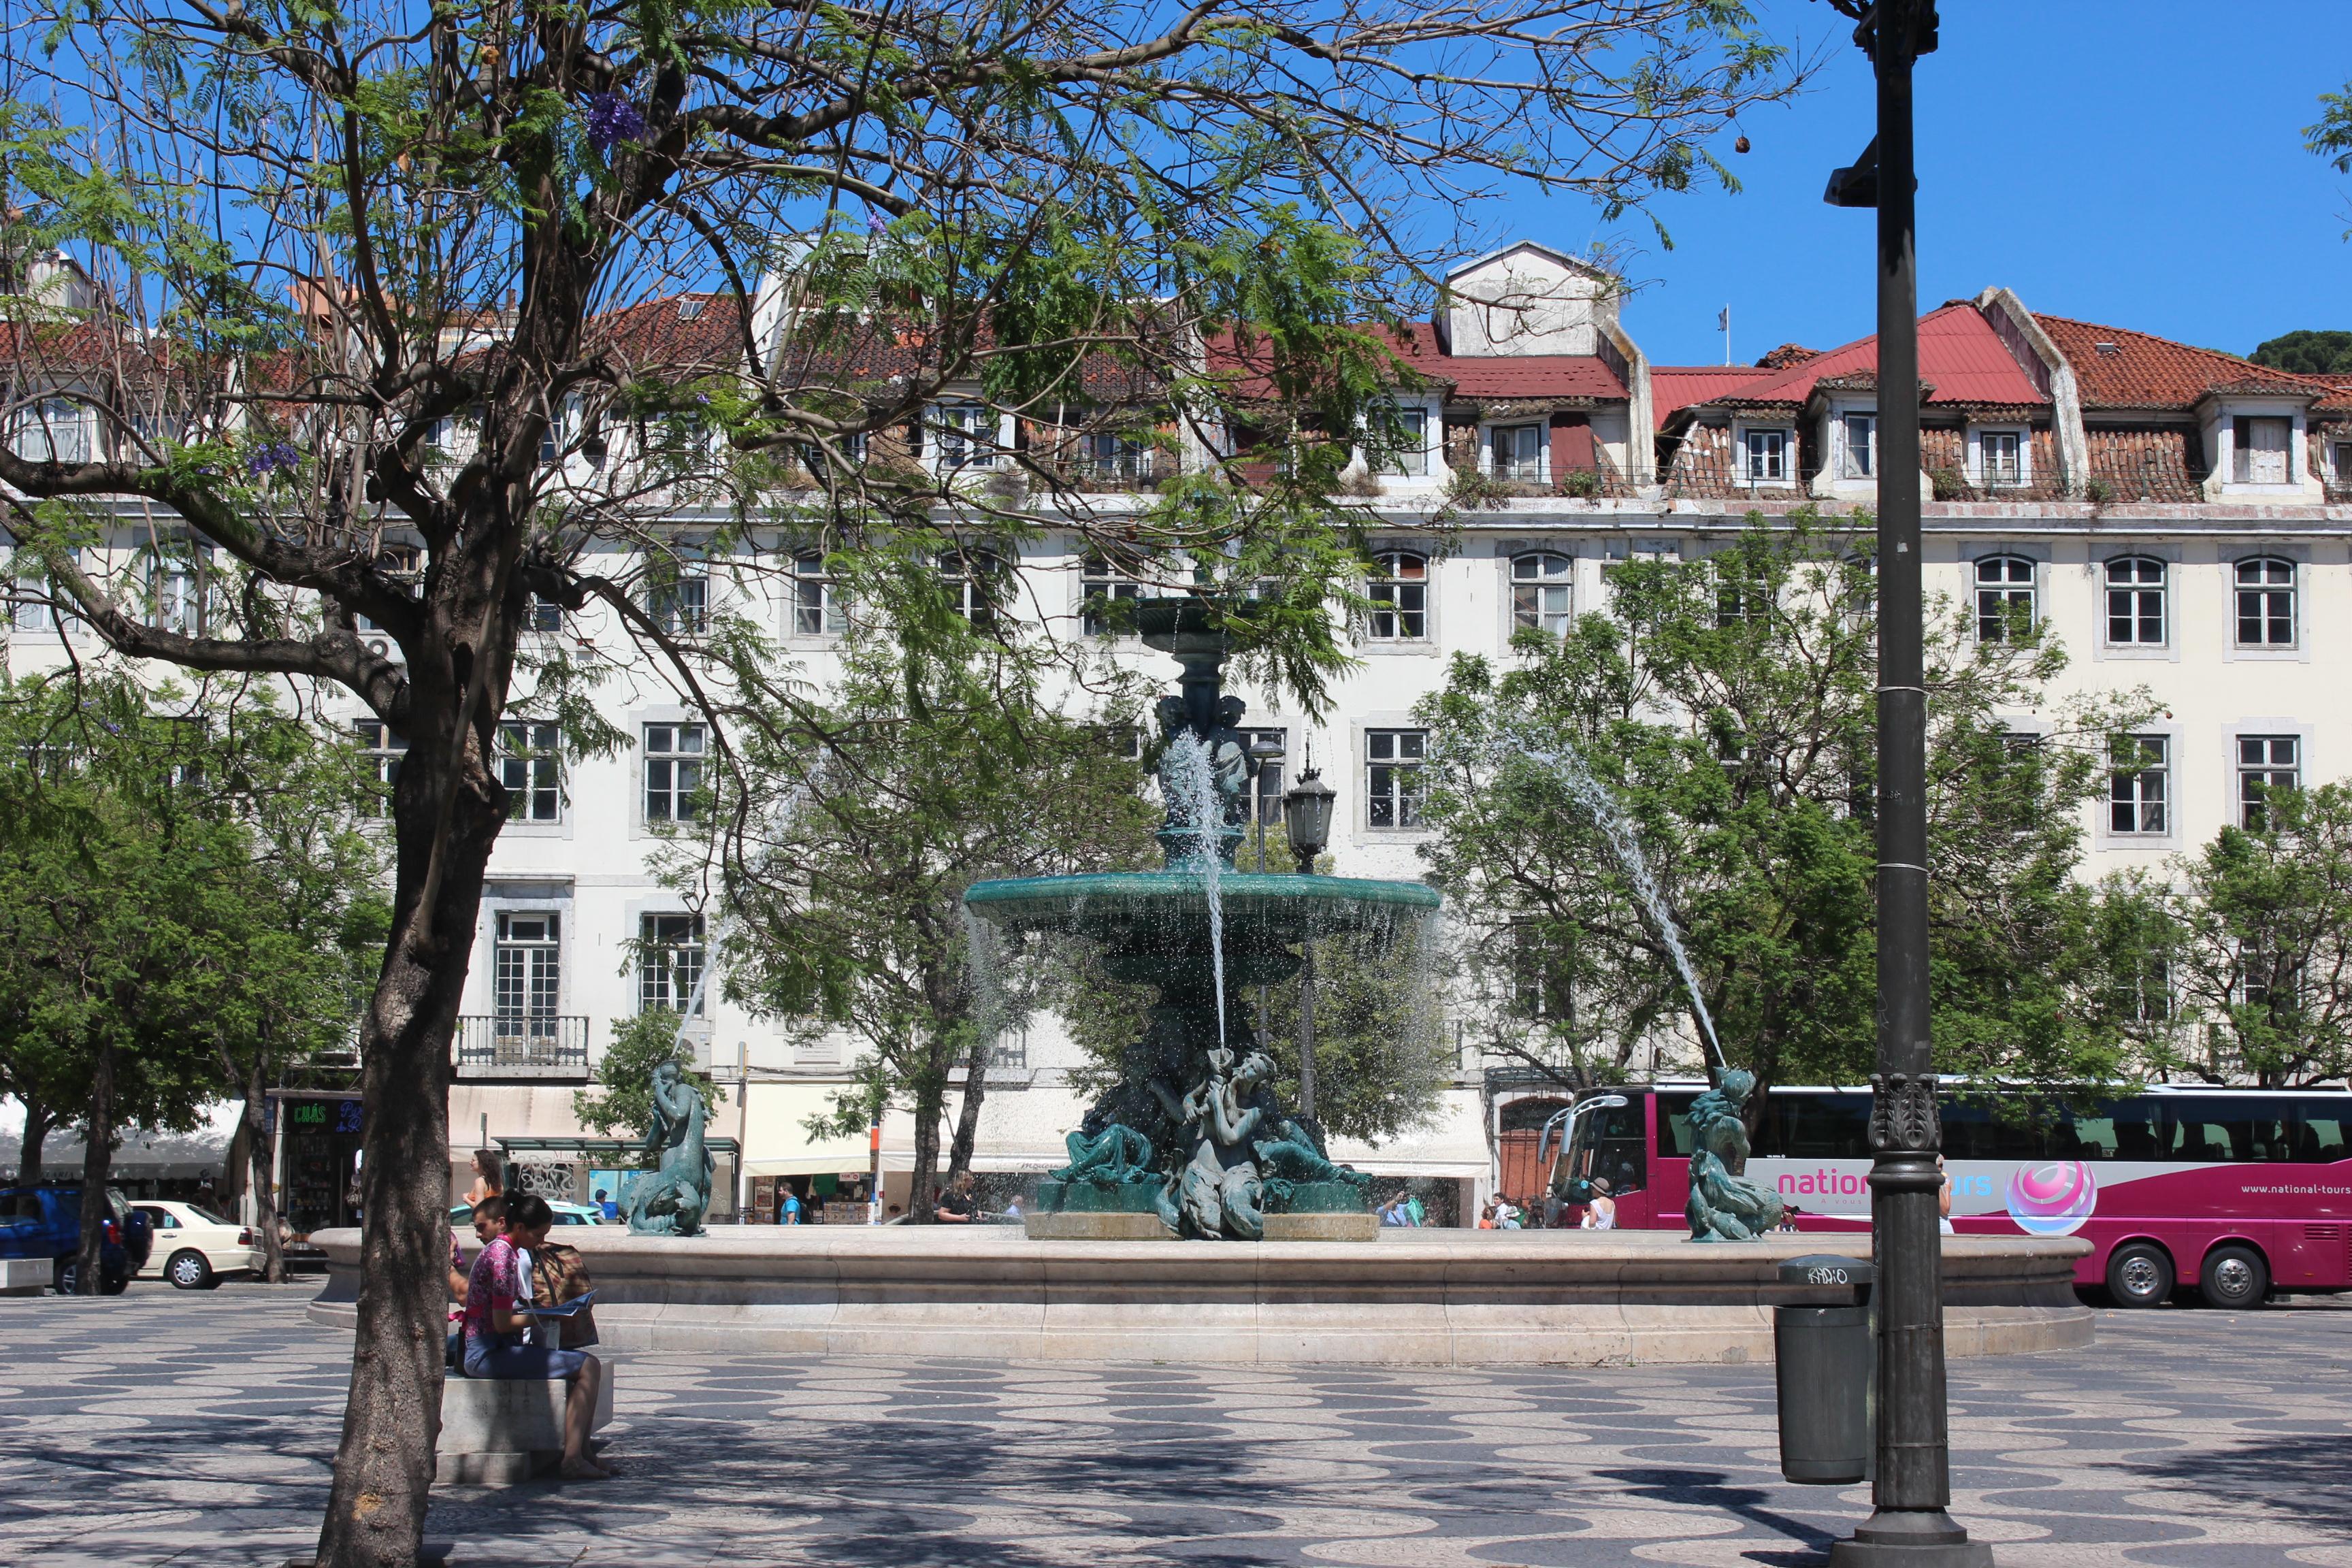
1910, 1538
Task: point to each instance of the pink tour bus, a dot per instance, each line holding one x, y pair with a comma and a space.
2241, 1192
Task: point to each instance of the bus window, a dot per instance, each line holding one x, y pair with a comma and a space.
2077, 1137
2318, 1133
1982, 1129
2233, 1127
1673, 1126
2136, 1130
1619, 1149
1824, 1126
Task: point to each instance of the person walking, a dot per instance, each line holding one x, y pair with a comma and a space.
490, 1176
1600, 1213
955, 1204
788, 1207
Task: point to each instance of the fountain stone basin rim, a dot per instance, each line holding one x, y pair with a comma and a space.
1285, 907
1432, 1297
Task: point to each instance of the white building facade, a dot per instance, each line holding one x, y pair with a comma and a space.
2176, 518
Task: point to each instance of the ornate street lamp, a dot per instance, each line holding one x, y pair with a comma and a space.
1307, 816
1912, 1488
1307, 813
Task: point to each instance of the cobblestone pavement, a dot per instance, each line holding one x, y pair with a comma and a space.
161, 1427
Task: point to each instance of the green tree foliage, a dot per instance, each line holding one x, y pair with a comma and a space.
1727, 704
2254, 935
845, 837
329, 212
622, 1101
184, 907
2324, 353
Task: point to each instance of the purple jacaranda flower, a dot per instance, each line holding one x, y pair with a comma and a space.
612, 118
875, 223
268, 459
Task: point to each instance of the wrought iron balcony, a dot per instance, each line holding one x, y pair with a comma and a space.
545, 1048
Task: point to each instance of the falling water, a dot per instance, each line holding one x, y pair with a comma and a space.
1192, 786
1568, 767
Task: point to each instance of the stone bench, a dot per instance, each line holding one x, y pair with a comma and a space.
500, 1432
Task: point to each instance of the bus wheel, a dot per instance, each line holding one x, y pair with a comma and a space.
2234, 1277
2139, 1275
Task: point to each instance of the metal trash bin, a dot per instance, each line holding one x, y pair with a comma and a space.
1824, 1361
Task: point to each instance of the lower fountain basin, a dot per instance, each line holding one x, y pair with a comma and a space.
1459, 1297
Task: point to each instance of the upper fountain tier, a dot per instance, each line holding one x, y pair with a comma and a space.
1167, 911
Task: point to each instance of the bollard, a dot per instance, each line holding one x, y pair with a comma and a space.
1823, 1361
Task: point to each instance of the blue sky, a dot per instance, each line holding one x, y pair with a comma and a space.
2138, 162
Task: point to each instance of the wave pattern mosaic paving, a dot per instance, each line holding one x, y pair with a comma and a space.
156, 1428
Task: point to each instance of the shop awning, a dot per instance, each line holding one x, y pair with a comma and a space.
776, 1140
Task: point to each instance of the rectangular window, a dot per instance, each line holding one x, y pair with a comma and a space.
669, 962
178, 599
816, 598
2261, 450
526, 976
55, 429
1518, 452
681, 607
2342, 453
1393, 765
2001, 457
29, 604
2138, 785
1399, 590
1111, 456
529, 764
542, 616
380, 752
966, 432
1412, 456
2265, 763
2265, 603
673, 771
1101, 586
1861, 443
1764, 457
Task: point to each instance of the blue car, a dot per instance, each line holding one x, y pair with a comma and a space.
45, 1222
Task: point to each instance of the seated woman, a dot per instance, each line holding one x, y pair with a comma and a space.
498, 1316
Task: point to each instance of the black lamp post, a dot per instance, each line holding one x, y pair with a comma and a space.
1307, 816
1912, 1489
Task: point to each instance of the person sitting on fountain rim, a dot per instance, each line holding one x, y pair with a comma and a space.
955, 1204
494, 1330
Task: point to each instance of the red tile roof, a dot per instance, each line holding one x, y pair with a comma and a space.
1673, 388
1494, 377
1960, 357
2138, 370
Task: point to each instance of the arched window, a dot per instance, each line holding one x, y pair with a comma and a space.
2005, 607
2265, 603
2136, 602
1399, 590
1540, 585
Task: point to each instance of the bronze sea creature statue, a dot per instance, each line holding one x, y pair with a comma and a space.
671, 1199
1724, 1205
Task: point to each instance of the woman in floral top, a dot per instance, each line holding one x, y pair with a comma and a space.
498, 1313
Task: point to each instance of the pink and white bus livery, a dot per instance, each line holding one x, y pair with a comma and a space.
2243, 1192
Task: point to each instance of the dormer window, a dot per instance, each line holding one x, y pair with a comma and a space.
1859, 457
2001, 458
2260, 444
1410, 458
1518, 452
1764, 457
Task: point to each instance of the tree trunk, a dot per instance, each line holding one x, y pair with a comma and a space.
37, 1122
923, 1190
975, 1094
384, 1465
97, 1160
258, 1163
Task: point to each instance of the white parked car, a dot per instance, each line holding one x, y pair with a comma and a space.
193, 1246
